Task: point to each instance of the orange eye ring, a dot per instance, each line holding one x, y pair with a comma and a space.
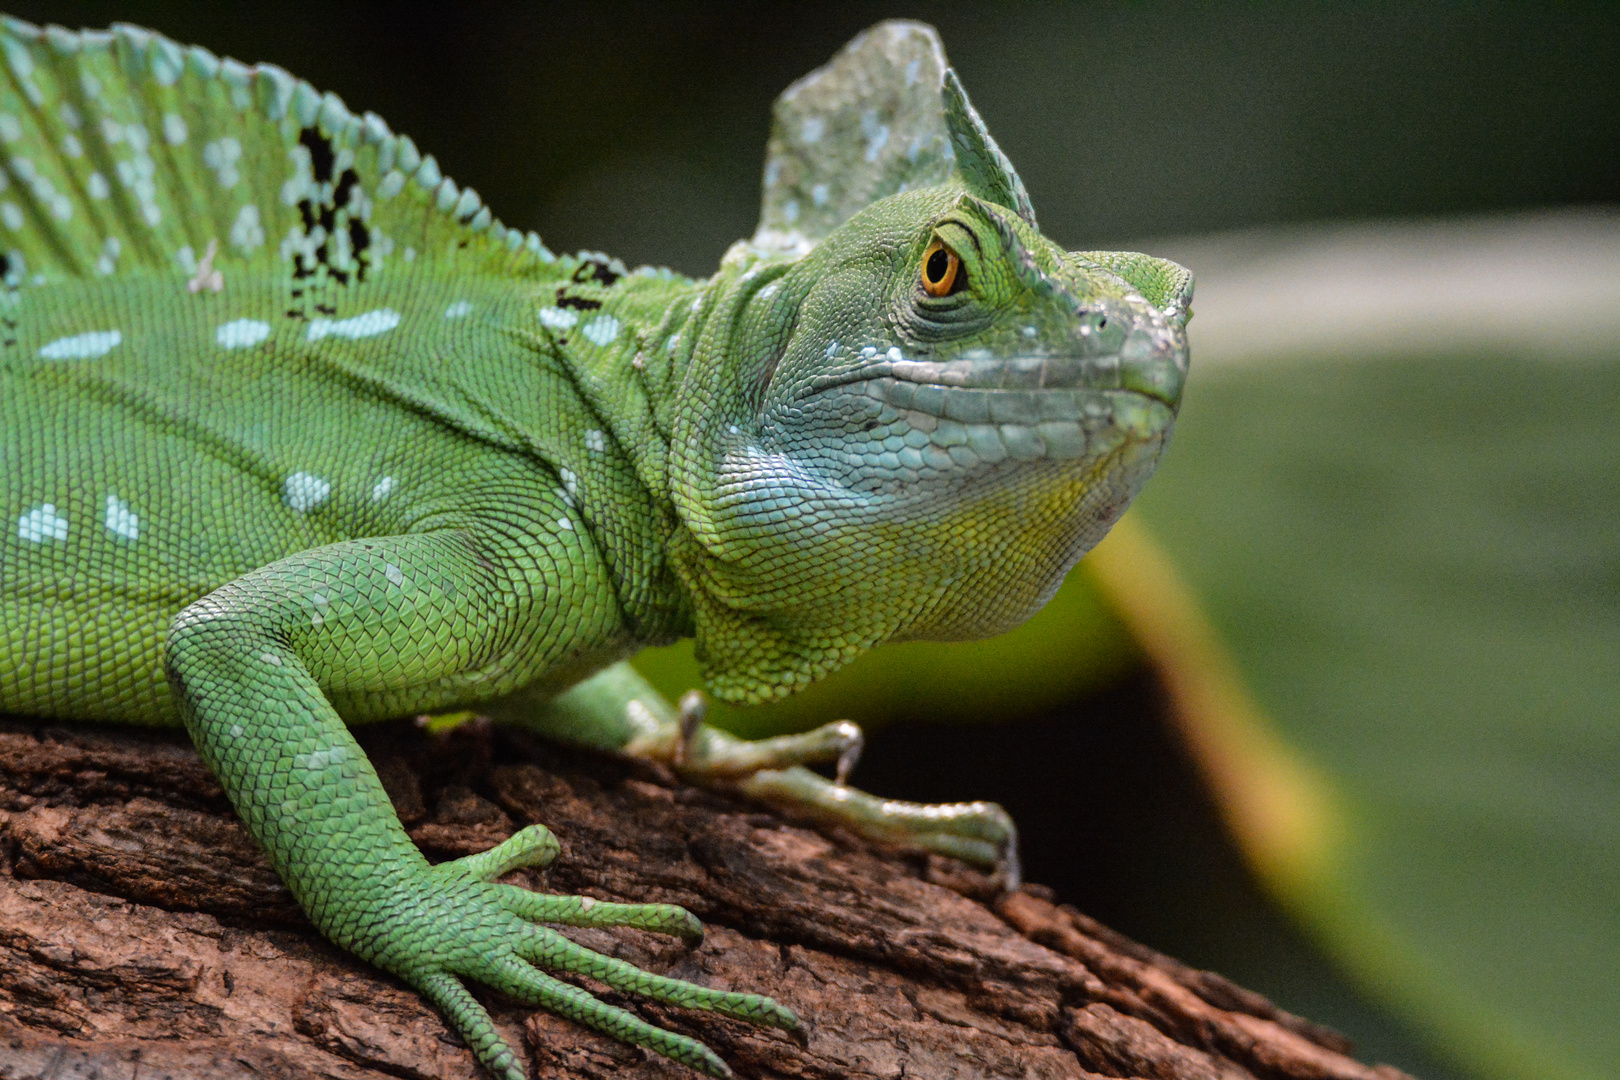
941, 270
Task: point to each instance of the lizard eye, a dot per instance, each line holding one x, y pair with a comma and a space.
942, 273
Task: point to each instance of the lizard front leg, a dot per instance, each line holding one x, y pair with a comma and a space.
253, 665
619, 711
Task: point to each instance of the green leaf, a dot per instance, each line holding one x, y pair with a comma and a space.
1414, 563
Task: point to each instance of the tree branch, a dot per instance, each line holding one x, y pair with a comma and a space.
142, 933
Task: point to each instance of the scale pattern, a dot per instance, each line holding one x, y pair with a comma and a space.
229, 308
294, 434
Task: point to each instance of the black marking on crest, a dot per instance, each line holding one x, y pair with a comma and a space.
598, 269
324, 213
321, 157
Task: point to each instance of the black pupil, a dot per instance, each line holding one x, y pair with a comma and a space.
938, 264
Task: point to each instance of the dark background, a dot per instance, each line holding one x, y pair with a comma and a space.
640, 129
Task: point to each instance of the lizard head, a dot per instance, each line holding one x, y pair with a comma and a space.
911, 421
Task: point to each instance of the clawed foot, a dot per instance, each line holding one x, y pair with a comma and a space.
709, 755
981, 833
772, 771
459, 924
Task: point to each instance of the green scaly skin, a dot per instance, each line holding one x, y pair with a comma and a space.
295, 435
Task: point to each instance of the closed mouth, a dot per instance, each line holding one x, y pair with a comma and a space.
972, 412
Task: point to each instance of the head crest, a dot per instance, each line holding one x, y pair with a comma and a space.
883, 116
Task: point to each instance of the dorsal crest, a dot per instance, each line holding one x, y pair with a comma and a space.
886, 115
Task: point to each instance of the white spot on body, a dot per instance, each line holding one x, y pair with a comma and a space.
174, 129
247, 233
242, 333
83, 346
458, 309
557, 318
42, 523
320, 759
570, 481
382, 489
394, 574
10, 128
814, 127
110, 250
270, 658
601, 330
370, 324
877, 134
121, 520
71, 146
221, 155
832, 348
11, 215
300, 183
768, 291
98, 187
595, 441
586, 903
303, 491
236, 731
894, 354
1030, 331
564, 523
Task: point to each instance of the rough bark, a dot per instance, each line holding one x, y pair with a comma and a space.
142, 934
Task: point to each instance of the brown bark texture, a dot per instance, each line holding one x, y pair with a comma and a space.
142, 935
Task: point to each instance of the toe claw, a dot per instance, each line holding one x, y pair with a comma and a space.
693, 708
852, 749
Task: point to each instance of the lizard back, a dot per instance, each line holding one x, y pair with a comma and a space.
314, 336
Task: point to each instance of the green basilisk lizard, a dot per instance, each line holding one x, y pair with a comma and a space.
294, 434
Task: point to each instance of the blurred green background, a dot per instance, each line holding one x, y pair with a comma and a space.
639, 130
